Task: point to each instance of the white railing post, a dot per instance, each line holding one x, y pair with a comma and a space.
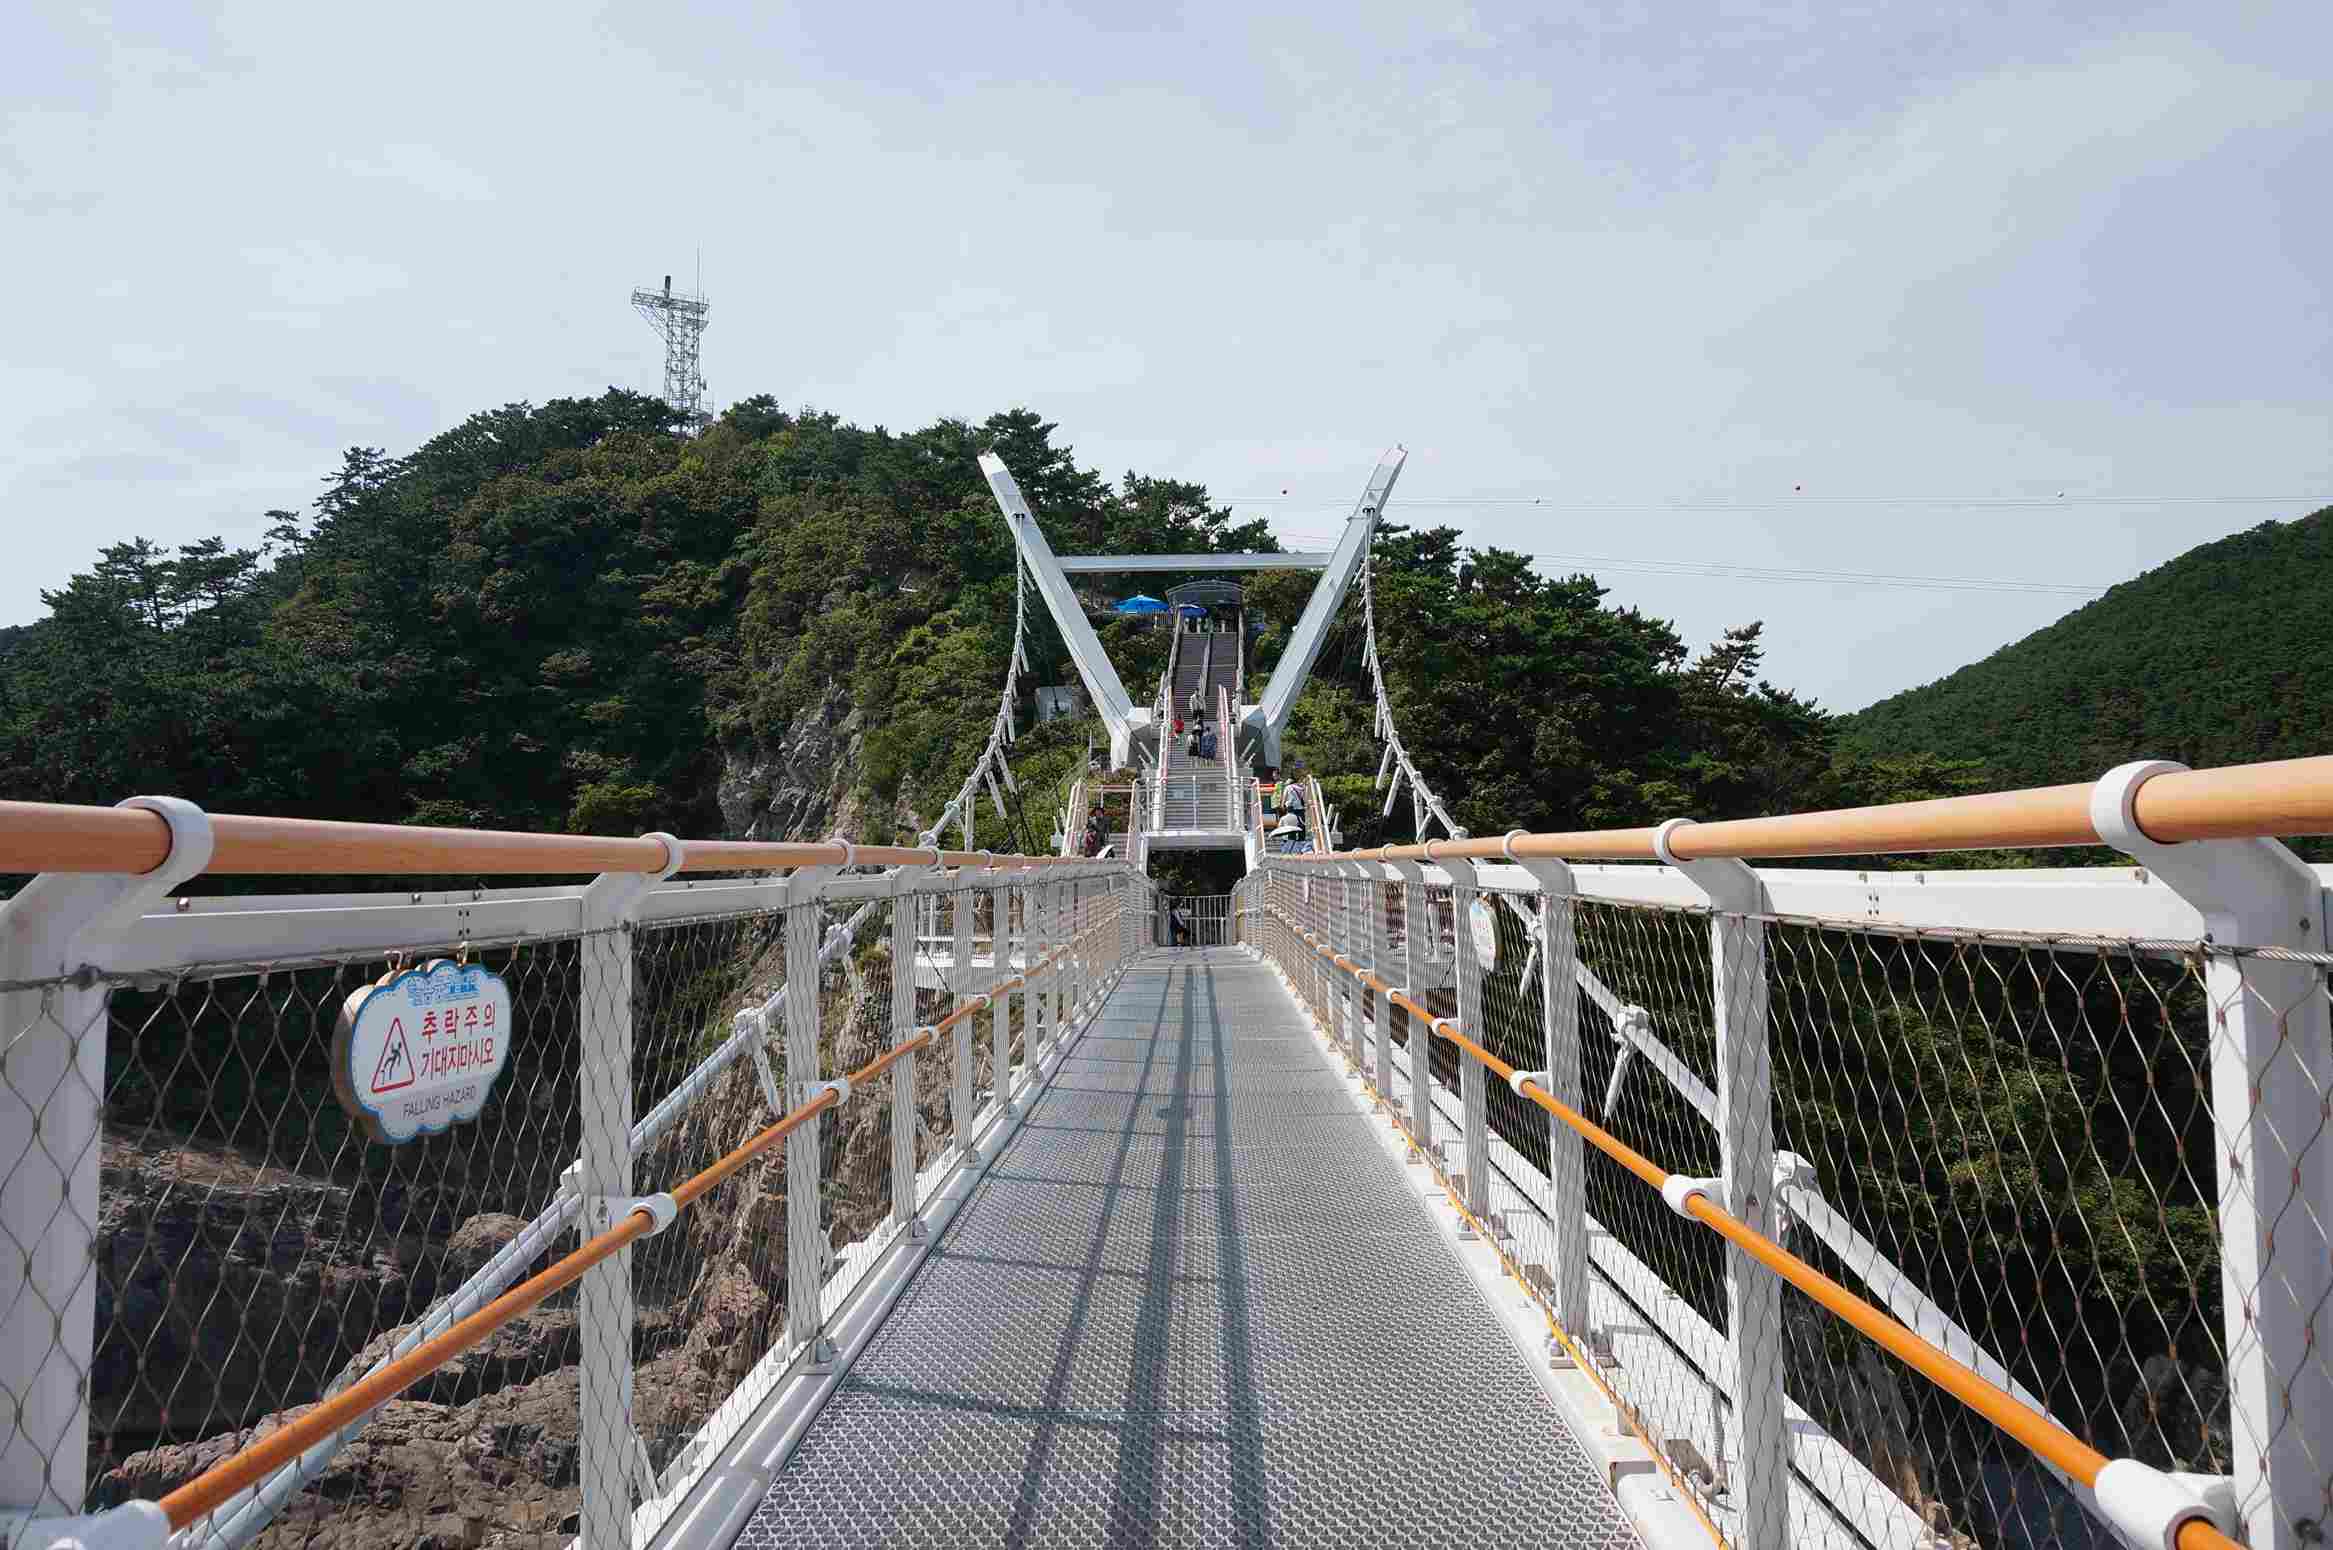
610, 1455
1073, 934
960, 903
1045, 938
1332, 892
1373, 940
1757, 1443
1559, 1014
1413, 976
1313, 886
1000, 1027
805, 1227
53, 1038
1349, 942
1033, 991
2271, 1085
1473, 1076
904, 911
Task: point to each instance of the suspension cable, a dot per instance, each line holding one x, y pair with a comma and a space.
1001, 731
1396, 764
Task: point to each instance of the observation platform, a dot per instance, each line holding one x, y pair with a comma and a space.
1194, 1301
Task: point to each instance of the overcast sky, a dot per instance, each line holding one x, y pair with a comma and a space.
1753, 285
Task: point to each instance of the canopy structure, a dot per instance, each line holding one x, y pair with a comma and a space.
1140, 603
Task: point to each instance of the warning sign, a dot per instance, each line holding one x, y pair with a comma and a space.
1485, 926
420, 1049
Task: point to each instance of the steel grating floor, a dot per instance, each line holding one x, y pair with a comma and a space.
1194, 1303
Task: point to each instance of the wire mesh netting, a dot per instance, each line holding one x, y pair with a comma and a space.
2006, 1142
254, 1250
710, 1292
198, 1181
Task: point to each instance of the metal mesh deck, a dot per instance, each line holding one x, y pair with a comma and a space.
1193, 1303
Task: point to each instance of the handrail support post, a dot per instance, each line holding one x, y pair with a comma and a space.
1344, 990
50, 1107
609, 1456
806, 1244
1559, 1016
2271, 1080
1000, 1026
1413, 973
960, 908
1757, 1442
1381, 1018
1473, 1076
905, 906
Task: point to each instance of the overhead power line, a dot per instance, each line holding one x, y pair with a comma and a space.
1728, 571
1783, 502
1724, 571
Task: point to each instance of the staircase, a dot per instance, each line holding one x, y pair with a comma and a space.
1195, 790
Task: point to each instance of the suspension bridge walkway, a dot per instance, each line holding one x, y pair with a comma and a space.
1161, 1318
1585, 1188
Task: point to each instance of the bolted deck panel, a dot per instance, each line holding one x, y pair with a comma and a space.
1194, 1303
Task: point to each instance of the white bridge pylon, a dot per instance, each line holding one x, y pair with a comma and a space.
1126, 720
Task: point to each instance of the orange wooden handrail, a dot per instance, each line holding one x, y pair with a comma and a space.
2281, 798
212, 1488
2043, 1436
56, 837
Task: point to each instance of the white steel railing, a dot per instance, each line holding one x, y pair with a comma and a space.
2016, 1130
206, 1031
1195, 920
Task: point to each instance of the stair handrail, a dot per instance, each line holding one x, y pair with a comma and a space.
1223, 755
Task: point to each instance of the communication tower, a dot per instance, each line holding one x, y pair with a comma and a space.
680, 318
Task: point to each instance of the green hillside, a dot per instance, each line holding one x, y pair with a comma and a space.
2222, 656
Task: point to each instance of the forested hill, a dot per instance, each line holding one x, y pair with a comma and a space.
573, 617
2222, 656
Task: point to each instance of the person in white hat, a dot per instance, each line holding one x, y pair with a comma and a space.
1288, 834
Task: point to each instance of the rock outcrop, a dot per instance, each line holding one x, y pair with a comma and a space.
803, 784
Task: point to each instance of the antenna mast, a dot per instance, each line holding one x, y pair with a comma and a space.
680, 318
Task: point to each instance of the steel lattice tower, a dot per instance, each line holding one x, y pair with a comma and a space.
680, 318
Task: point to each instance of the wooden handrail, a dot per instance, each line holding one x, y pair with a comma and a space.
57, 837
2278, 799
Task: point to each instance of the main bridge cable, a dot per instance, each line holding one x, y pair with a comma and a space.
2044, 1437
1396, 764
241, 1471
1001, 731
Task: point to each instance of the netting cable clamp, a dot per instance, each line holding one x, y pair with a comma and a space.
662, 1210
1678, 1191
840, 1086
1516, 1079
2149, 1507
757, 1022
